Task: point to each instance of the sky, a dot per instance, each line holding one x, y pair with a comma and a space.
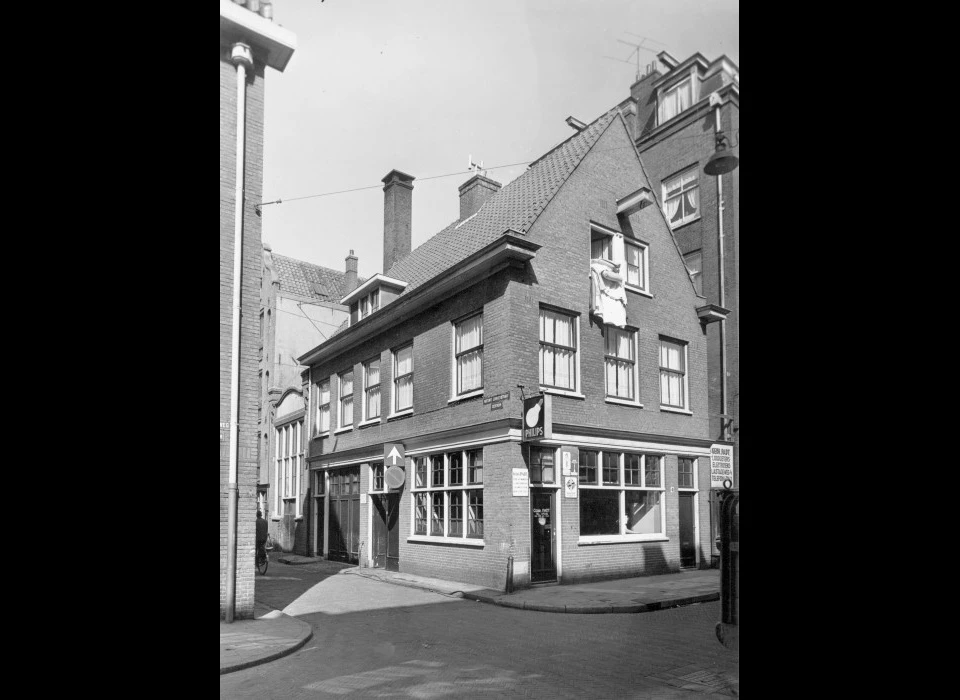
422, 85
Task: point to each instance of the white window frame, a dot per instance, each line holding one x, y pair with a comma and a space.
622, 487
340, 400
374, 467
319, 430
643, 284
550, 389
684, 372
696, 477
684, 189
635, 347
666, 95
455, 393
394, 359
369, 303
367, 419
288, 463
428, 489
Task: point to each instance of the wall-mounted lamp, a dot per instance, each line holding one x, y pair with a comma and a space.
722, 161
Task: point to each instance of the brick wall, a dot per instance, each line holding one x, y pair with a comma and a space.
248, 453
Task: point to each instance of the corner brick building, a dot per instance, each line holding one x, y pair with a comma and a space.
249, 43
568, 282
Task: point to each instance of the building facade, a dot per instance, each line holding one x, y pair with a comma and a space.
299, 308
672, 113
249, 43
565, 288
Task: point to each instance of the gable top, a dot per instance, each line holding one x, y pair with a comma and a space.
516, 207
308, 280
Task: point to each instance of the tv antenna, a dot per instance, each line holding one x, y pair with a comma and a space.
637, 48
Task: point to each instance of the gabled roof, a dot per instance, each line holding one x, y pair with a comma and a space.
308, 280
515, 207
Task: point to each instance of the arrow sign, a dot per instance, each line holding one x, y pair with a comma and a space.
393, 454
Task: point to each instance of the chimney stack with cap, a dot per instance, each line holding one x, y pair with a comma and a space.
397, 216
350, 279
474, 192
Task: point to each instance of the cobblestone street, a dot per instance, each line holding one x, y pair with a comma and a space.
374, 640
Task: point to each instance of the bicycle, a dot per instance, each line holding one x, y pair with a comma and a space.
263, 556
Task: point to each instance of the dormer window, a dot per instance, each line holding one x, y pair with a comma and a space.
369, 303
674, 100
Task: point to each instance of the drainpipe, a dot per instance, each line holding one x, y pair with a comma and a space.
723, 321
242, 58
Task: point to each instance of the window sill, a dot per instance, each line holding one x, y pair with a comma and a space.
372, 421
620, 539
637, 290
402, 414
324, 434
671, 409
562, 392
683, 223
468, 395
343, 430
463, 541
624, 402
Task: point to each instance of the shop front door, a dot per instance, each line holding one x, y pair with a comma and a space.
386, 531
543, 554
688, 545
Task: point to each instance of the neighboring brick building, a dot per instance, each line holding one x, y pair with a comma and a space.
249, 42
509, 294
672, 118
299, 308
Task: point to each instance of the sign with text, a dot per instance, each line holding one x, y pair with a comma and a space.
537, 418
497, 398
570, 461
570, 486
521, 482
393, 454
721, 465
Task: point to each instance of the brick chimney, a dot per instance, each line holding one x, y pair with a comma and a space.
645, 98
350, 280
474, 192
397, 216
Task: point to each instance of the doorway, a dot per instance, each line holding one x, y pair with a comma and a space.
543, 549
344, 540
386, 531
688, 542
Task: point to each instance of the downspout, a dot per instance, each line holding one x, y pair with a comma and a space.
242, 58
723, 321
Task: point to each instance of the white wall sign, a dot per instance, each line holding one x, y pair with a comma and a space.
569, 487
363, 498
521, 482
721, 465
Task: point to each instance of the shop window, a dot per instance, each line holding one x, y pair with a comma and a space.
628, 502
443, 505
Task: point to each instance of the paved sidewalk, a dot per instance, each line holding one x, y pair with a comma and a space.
272, 634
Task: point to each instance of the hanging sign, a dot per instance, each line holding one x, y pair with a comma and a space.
721, 465
537, 418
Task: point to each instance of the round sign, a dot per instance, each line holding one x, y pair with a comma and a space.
395, 477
